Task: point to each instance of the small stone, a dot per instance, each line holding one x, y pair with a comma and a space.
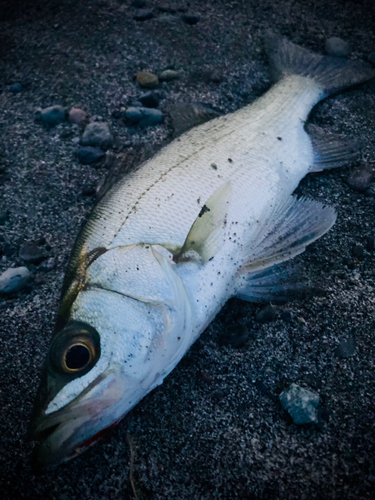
346, 348
360, 179
31, 253
300, 403
370, 242
88, 155
53, 115
143, 15
116, 114
16, 88
88, 191
144, 116
267, 314
147, 80
150, 100
358, 251
138, 4
14, 279
97, 134
190, 19
78, 117
336, 47
169, 75
371, 58
136, 104
3, 217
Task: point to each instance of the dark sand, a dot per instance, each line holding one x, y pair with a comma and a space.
217, 436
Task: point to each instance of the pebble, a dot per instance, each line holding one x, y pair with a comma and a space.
266, 315
147, 80
78, 117
14, 279
346, 348
53, 115
31, 253
143, 15
336, 47
87, 155
370, 242
97, 134
150, 100
3, 217
300, 403
190, 19
360, 179
358, 251
16, 88
169, 75
144, 116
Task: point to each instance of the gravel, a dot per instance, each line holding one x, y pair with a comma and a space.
190, 439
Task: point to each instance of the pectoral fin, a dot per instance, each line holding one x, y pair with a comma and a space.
206, 235
288, 229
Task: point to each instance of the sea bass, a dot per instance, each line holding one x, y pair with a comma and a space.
209, 217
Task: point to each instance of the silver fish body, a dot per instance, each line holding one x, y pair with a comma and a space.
209, 217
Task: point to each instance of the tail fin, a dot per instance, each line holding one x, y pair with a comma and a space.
332, 73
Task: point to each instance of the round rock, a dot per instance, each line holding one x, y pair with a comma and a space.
147, 80
360, 179
78, 117
88, 155
13, 280
144, 116
16, 88
53, 115
31, 253
336, 47
300, 403
97, 134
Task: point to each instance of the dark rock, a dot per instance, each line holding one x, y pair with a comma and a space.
168, 75
358, 251
134, 114
97, 134
262, 388
349, 263
30, 252
116, 114
136, 104
150, 100
360, 179
53, 115
16, 88
346, 348
88, 191
88, 155
336, 47
147, 80
13, 280
267, 314
138, 4
190, 19
78, 117
300, 403
144, 116
143, 15
3, 217
370, 242
371, 58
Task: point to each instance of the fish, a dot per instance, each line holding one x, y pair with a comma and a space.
210, 216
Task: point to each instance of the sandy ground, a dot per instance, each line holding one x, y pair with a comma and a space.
223, 433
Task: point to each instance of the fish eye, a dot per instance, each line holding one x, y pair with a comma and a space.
77, 357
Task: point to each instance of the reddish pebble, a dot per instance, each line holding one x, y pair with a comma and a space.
78, 117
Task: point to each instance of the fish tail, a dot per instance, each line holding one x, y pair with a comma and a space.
331, 73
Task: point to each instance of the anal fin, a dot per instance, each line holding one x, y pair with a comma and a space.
289, 227
330, 150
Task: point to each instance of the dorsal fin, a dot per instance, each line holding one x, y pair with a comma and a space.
205, 236
187, 115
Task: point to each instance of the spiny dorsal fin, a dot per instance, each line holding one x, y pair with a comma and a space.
290, 226
205, 234
187, 115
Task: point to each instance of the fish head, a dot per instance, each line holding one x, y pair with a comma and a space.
113, 351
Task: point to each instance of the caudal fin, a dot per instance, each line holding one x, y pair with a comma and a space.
332, 73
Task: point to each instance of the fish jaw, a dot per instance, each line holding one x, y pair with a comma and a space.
66, 433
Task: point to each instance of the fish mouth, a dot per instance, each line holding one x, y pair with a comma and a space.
67, 432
